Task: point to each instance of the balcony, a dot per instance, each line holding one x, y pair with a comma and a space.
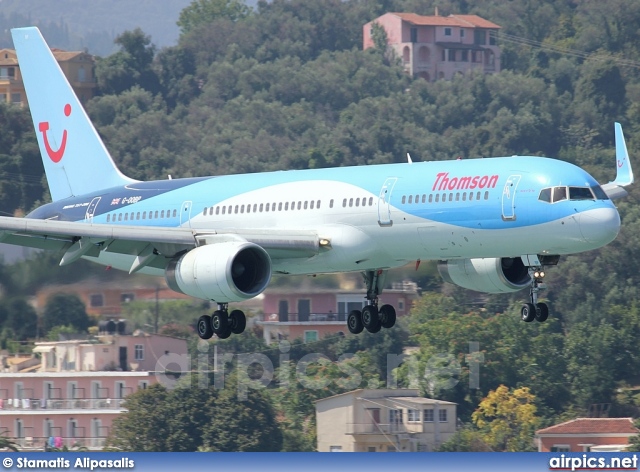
59, 404
304, 318
28, 443
379, 428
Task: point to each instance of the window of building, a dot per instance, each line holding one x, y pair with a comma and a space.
127, 297
447, 32
97, 299
464, 55
413, 416
335, 448
138, 352
462, 33
310, 336
479, 37
560, 448
442, 416
395, 417
414, 35
451, 55
16, 98
428, 415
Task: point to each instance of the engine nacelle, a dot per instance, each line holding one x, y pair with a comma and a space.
229, 271
501, 275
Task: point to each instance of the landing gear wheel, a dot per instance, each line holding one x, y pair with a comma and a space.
205, 331
387, 316
238, 321
542, 312
371, 318
220, 322
528, 312
376, 328
354, 322
224, 334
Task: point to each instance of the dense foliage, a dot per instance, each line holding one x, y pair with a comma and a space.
287, 86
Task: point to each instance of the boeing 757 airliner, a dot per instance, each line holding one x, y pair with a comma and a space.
493, 224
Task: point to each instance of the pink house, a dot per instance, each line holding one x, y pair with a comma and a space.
438, 47
311, 314
70, 392
587, 434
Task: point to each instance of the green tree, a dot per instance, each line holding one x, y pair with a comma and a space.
22, 319
64, 309
130, 66
190, 418
205, 11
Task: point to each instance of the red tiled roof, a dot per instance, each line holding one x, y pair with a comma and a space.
473, 21
593, 426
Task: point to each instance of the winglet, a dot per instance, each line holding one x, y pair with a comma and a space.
624, 175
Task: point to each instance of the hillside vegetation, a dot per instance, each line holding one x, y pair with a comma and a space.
287, 86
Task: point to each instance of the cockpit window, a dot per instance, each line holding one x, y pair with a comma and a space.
599, 193
580, 193
559, 193
545, 195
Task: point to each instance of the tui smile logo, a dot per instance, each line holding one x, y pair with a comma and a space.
55, 156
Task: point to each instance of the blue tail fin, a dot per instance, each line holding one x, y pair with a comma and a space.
75, 159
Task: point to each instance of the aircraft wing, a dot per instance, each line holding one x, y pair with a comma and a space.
146, 243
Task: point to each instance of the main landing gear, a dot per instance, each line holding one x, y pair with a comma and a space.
534, 310
221, 323
371, 317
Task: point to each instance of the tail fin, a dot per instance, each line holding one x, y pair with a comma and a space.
75, 159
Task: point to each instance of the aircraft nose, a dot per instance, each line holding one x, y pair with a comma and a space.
600, 225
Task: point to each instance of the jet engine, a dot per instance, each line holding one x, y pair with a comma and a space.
501, 275
224, 272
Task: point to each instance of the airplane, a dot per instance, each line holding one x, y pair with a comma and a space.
493, 224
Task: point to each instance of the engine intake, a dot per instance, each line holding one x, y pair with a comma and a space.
223, 272
494, 275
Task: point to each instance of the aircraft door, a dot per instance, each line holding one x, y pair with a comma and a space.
185, 213
384, 202
91, 209
509, 198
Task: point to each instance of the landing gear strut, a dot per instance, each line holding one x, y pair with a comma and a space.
221, 323
534, 310
371, 317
